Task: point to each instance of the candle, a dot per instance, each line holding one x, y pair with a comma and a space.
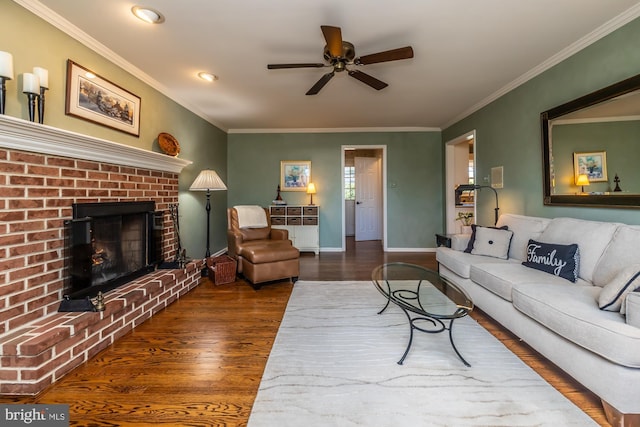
6, 65
43, 75
30, 83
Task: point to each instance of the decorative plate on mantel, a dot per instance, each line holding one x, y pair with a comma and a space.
168, 144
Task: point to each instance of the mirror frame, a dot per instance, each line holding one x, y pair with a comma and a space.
591, 200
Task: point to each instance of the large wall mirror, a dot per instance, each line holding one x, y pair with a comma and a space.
591, 148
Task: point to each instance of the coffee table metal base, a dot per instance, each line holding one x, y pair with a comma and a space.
437, 327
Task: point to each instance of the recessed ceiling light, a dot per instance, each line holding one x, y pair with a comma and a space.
149, 15
207, 76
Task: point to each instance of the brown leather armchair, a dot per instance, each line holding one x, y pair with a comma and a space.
263, 254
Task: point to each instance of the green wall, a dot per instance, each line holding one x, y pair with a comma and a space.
34, 42
620, 141
508, 130
414, 179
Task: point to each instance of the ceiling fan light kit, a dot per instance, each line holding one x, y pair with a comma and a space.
340, 54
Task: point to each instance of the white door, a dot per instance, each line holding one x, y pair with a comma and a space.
368, 199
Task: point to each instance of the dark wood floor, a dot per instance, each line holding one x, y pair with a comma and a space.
199, 362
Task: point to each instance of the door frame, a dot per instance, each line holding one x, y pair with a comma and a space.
382, 184
449, 190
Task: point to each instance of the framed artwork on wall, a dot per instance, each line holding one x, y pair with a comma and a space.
593, 164
95, 99
295, 175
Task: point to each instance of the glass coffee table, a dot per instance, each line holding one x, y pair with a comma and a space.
430, 302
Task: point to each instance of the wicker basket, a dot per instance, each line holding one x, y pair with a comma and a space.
222, 269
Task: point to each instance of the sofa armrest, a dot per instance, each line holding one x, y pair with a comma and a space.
459, 242
279, 234
633, 309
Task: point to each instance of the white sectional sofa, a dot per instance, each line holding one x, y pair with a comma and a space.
559, 318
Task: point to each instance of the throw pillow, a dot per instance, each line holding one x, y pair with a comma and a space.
492, 242
632, 311
614, 293
559, 260
472, 239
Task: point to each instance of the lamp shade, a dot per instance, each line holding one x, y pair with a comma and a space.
207, 180
311, 188
582, 180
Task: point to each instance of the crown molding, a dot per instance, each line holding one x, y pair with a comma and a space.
597, 34
76, 33
23, 135
336, 130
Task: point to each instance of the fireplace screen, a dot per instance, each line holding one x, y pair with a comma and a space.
109, 244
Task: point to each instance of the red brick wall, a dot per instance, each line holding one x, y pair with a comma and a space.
36, 194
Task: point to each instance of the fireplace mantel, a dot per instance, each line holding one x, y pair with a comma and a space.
19, 134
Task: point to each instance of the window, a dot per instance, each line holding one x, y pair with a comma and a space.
349, 183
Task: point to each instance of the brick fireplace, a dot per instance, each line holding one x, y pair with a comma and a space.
43, 172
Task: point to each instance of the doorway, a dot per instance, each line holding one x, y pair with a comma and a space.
460, 163
364, 195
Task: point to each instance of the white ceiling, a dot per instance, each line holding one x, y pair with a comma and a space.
467, 52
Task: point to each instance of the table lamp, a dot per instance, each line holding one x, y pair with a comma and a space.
311, 189
582, 180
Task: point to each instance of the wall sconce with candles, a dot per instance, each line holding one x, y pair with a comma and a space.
33, 85
582, 180
31, 88
311, 189
43, 77
6, 73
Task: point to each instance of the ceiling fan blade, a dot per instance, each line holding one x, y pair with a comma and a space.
281, 66
333, 36
320, 83
367, 79
389, 55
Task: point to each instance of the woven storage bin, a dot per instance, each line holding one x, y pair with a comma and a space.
222, 269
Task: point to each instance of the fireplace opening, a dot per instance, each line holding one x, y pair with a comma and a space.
110, 244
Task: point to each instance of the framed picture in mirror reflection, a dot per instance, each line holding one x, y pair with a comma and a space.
593, 164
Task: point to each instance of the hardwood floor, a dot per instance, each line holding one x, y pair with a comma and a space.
199, 362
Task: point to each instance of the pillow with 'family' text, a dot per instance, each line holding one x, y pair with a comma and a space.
559, 260
613, 294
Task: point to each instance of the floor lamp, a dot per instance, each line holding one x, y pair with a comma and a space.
208, 180
469, 187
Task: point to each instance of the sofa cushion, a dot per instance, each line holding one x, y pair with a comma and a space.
632, 310
559, 260
492, 242
524, 228
621, 252
613, 294
592, 237
460, 262
571, 312
499, 278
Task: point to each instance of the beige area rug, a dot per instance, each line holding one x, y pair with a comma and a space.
333, 363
